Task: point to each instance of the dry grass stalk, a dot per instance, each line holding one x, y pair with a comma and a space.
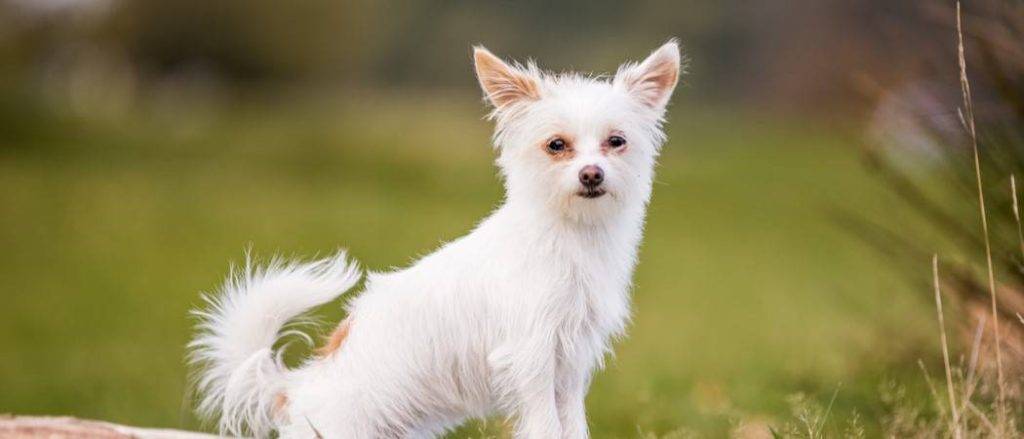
955, 427
1016, 213
971, 382
967, 116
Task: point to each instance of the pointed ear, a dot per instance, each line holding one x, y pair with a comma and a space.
502, 83
652, 81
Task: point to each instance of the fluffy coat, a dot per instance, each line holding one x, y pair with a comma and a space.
513, 318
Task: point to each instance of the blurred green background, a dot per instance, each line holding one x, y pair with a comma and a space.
145, 145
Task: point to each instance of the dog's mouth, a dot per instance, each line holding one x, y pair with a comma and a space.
591, 192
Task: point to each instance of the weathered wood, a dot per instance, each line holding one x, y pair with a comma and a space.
25, 427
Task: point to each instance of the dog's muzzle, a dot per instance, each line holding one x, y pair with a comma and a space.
591, 177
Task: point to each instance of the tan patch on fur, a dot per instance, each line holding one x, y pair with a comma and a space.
280, 404
665, 74
607, 149
503, 83
615, 151
567, 154
336, 339
655, 83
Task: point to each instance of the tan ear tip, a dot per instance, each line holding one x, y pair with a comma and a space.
480, 53
670, 48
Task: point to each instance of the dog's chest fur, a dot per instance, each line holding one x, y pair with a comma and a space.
577, 279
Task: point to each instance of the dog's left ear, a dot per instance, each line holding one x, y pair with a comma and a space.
652, 81
503, 84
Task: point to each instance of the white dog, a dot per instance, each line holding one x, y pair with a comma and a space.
512, 318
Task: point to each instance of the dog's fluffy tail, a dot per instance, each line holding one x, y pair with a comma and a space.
239, 376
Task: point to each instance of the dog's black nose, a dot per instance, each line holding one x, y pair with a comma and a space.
591, 176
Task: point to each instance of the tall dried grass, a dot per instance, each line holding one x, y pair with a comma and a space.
982, 396
981, 404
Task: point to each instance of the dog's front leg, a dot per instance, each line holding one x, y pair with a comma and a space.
538, 410
527, 378
573, 381
572, 410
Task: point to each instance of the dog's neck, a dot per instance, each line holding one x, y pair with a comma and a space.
615, 236
594, 259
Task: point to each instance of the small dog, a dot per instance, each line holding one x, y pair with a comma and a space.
512, 318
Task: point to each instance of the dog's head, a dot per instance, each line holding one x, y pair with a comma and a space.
579, 146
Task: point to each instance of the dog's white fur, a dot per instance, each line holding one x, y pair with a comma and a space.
512, 318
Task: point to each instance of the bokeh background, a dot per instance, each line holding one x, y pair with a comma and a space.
145, 145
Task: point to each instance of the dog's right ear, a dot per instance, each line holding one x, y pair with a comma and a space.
651, 82
503, 84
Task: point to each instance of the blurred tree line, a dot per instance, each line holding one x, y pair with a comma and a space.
802, 54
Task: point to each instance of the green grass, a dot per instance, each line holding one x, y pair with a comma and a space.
747, 291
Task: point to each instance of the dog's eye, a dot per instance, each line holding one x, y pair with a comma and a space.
616, 141
556, 145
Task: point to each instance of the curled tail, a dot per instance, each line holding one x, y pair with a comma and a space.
240, 376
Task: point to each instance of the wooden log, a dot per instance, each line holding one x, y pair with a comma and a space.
65, 427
